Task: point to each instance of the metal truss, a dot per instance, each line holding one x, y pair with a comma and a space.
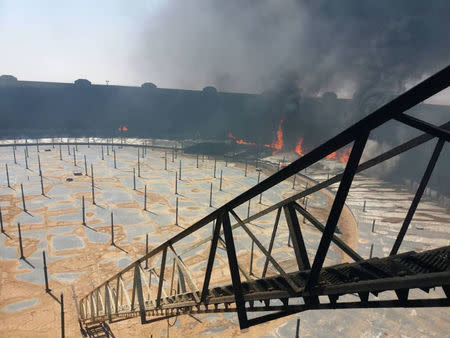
166, 287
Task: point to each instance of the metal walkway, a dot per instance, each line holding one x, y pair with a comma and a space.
159, 285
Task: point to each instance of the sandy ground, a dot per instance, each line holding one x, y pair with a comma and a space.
79, 257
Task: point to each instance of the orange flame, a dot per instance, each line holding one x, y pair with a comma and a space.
124, 128
332, 155
345, 154
230, 135
245, 142
278, 143
298, 146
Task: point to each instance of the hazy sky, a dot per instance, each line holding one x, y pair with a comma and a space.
196, 43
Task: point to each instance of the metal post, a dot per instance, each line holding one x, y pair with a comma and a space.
215, 163
7, 175
88, 143
260, 198
146, 250
107, 148
165, 161
371, 250
60, 152
85, 166
62, 316
373, 226
176, 183
1, 221
197, 161
210, 195
42, 183
76, 144
245, 172
26, 148
173, 154
364, 206
251, 259
134, 179
248, 209
139, 163
26, 160
226, 161
47, 289
115, 164
14, 153
112, 229
20, 242
74, 157
82, 211
259, 175
92, 184
179, 176
39, 164
37, 145
103, 154
293, 183
23, 198
176, 212
68, 147
297, 330
221, 172
145, 197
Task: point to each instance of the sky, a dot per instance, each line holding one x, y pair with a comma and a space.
238, 46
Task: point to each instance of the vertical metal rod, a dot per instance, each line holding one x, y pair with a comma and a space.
60, 152
37, 145
423, 184
26, 160
245, 171
145, 197
47, 289
371, 250
179, 176
173, 154
39, 164
176, 183
92, 184
260, 198
14, 153
210, 195
88, 143
293, 183
259, 175
197, 161
62, 316
85, 166
83, 215
23, 198
107, 148
26, 147
176, 212
251, 258
297, 329
68, 147
364, 206
215, 165
74, 157
115, 164
139, 163
112, 229
1, 221
7, 175
221, 173
76, 144
42, 183
134, 179
103, 154
165, 161
336, 209
373, 226
20, 242
248, 209
146, 250
289, 240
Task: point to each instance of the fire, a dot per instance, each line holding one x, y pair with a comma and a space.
245, 142
332, 156
278, 143
124, 128
298, 146
344, 155
230, 135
